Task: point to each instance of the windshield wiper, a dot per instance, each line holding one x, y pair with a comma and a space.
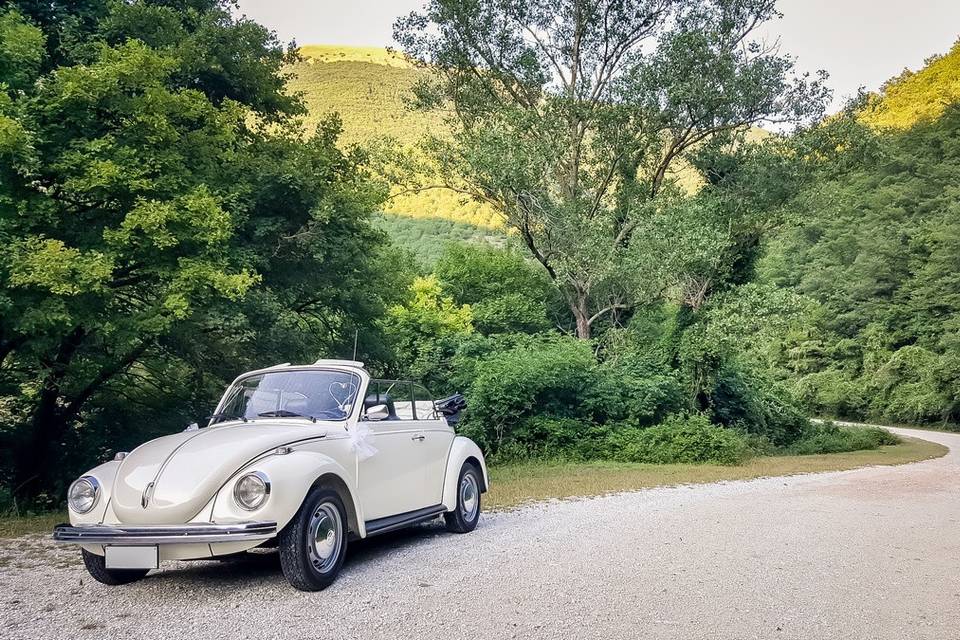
283, 413
217, 417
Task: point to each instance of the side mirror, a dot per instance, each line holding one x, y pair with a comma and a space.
378, 412
193, 426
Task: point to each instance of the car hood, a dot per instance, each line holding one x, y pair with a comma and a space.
188, 468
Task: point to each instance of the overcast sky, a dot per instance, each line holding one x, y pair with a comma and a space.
859, 42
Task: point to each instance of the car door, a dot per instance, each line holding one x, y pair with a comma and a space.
435, 444
391, 481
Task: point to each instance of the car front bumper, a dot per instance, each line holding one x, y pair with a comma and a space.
164, 534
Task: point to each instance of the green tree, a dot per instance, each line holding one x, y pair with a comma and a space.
164, 220
506, 293
573, 119
424, 329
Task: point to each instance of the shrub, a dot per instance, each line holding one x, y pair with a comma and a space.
512, 313
548, 377
555, 439
680, 438
829, 438
832, 393
636, 389
751, 403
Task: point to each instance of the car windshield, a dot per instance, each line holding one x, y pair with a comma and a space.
314, 395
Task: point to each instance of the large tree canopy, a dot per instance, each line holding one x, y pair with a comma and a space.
576, 119
164, 220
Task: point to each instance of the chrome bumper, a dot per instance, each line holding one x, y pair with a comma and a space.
164, 534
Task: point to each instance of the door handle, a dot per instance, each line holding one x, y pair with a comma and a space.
419, 437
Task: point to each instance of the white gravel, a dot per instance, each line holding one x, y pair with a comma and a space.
872, 553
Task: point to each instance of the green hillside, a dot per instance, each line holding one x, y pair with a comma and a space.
917, 96
369, 88
427, 238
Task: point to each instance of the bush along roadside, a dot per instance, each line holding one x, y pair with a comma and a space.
680, 438
551, 398
830, 438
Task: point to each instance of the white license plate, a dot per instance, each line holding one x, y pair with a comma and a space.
132, 557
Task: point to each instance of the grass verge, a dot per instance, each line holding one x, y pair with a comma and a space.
12, 527
515, 485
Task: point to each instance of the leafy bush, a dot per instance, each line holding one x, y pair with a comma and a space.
682, 438
830, 438
509, 314
749, 402
832, 393
508, 293
546, 377
636, 391
555, 439
423, 331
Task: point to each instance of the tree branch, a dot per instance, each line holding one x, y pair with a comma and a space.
73, 406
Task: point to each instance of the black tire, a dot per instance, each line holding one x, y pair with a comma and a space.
97, 568
302, 566
465, 517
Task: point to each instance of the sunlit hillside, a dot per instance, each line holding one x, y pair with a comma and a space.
369, 88
343, 53
916, 96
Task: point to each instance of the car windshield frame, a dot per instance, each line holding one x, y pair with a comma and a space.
296, 404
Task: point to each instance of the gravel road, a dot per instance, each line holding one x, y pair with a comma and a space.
872, 553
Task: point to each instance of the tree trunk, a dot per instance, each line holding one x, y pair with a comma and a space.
577, 300
36, 458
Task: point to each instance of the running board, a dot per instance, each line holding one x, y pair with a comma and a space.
401, 520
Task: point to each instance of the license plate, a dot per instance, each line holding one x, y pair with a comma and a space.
132, 557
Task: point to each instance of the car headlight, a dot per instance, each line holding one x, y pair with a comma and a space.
83, 494
252, 490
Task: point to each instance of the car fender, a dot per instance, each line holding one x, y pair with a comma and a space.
461, 450
291, 476
105, 475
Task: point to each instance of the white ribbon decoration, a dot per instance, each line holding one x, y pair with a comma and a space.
361, 441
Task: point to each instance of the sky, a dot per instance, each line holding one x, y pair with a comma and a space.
859, 42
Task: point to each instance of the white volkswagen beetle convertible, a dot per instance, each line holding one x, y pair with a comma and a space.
301, 457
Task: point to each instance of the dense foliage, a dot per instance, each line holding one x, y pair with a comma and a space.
879, 251
165, 224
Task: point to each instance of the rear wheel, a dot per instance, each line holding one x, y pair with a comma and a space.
314, 544
97, 568
464, 518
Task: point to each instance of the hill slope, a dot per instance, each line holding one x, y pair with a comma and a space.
917, 96
369, 88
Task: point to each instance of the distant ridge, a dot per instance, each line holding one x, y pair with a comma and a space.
322, 53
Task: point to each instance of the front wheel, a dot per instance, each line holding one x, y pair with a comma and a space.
314, 544
464, 518
97, 568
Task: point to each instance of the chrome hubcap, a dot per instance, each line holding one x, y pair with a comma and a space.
469, 497
323, 537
